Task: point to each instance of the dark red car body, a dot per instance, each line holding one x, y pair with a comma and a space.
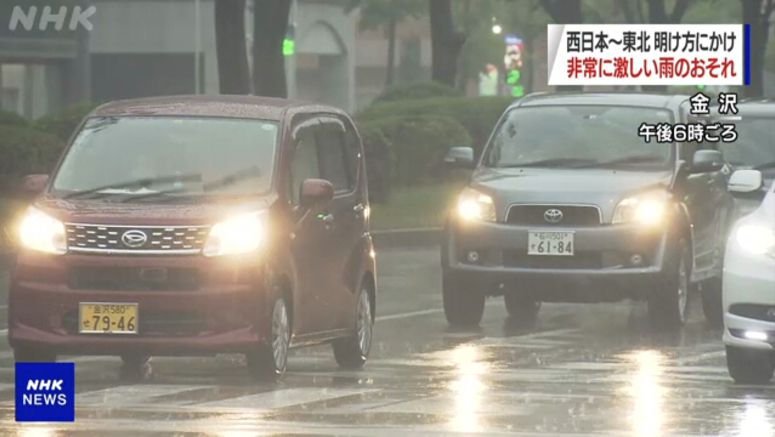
190, 304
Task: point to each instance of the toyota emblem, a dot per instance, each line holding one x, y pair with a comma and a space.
134, 238
553, 215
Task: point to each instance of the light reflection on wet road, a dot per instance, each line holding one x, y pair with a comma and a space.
581, 370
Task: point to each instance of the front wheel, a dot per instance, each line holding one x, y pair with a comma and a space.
463, 306
750, 366
268, 362
352, 352
668, 302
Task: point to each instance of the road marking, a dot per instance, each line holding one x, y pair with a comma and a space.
409, 314
281, 398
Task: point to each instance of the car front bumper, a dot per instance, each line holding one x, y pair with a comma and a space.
222, 312
600, 270
748, 298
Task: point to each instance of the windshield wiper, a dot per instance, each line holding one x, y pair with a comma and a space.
765, 166
554, 162
635, 159
139, 183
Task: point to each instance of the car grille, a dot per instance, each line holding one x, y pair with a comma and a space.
154, 323
134, 279
572, 215
98, 238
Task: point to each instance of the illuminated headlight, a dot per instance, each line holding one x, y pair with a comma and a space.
756, 239
41, 232
240, 234
473, 205
647, 209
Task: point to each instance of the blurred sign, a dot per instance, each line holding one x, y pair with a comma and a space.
512, 63
647, 54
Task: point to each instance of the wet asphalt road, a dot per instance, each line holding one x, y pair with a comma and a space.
583, 369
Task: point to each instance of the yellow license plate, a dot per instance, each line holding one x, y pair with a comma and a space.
107, 318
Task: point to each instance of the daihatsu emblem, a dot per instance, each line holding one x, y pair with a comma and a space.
553, 215
134, 238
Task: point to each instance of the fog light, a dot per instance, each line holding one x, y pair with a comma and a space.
636, 259
472, 256
755, 335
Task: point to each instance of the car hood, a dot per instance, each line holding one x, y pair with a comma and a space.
186, 214
601, 187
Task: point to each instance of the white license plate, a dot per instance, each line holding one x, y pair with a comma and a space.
550, 243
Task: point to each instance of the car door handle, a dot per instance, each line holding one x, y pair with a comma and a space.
358, 209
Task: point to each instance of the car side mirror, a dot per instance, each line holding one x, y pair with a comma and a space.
462, 157
705, 161
315, 193
31, 186
745, 181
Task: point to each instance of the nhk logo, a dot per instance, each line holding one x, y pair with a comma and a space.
45, 392
34, 18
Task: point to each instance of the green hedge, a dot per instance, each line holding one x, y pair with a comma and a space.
63, 124
24, 151
408, 150
417, 90
477, 115
12, 119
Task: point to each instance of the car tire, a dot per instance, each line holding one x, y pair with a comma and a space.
521, 308
712, 302
463, 306
135, 368
352, 352
748, 366
29, 354
269, 361
668, 301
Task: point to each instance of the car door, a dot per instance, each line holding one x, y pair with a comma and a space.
339, 165
311, 238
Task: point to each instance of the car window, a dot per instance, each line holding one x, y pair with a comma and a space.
332, 154
353, 150
305, 163
589, 135
755, 145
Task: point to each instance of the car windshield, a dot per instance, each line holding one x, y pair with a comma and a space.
157, 158
755, 145
578, 136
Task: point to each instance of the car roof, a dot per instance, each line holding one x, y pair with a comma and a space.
264, 108
651, 100
756, 107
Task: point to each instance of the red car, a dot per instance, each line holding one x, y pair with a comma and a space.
199, 225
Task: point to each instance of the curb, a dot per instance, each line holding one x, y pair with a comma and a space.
413, 237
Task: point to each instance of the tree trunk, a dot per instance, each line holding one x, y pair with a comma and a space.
564, 12
756, 13
270, 27
446, 43
233, 74
391, 52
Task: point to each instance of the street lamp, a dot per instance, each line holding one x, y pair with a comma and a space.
497, 29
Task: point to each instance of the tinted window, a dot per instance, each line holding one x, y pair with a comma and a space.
305, 164
333, 159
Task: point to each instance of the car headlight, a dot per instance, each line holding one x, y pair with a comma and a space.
240, 234
647, 208
756, 239
43, 233
473, 205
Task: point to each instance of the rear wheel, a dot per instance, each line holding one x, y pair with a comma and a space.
668, 302
268, 362
521, 308
747, 366
352, 352
31, 354
463, 306
711, 302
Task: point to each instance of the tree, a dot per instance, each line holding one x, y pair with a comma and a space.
757, 13
270, 27
446, 42
565, 12
233, 74
387, 14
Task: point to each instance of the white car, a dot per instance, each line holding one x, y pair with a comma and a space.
749, 287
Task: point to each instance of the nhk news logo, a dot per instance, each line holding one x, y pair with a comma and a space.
648, 54
45, 392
